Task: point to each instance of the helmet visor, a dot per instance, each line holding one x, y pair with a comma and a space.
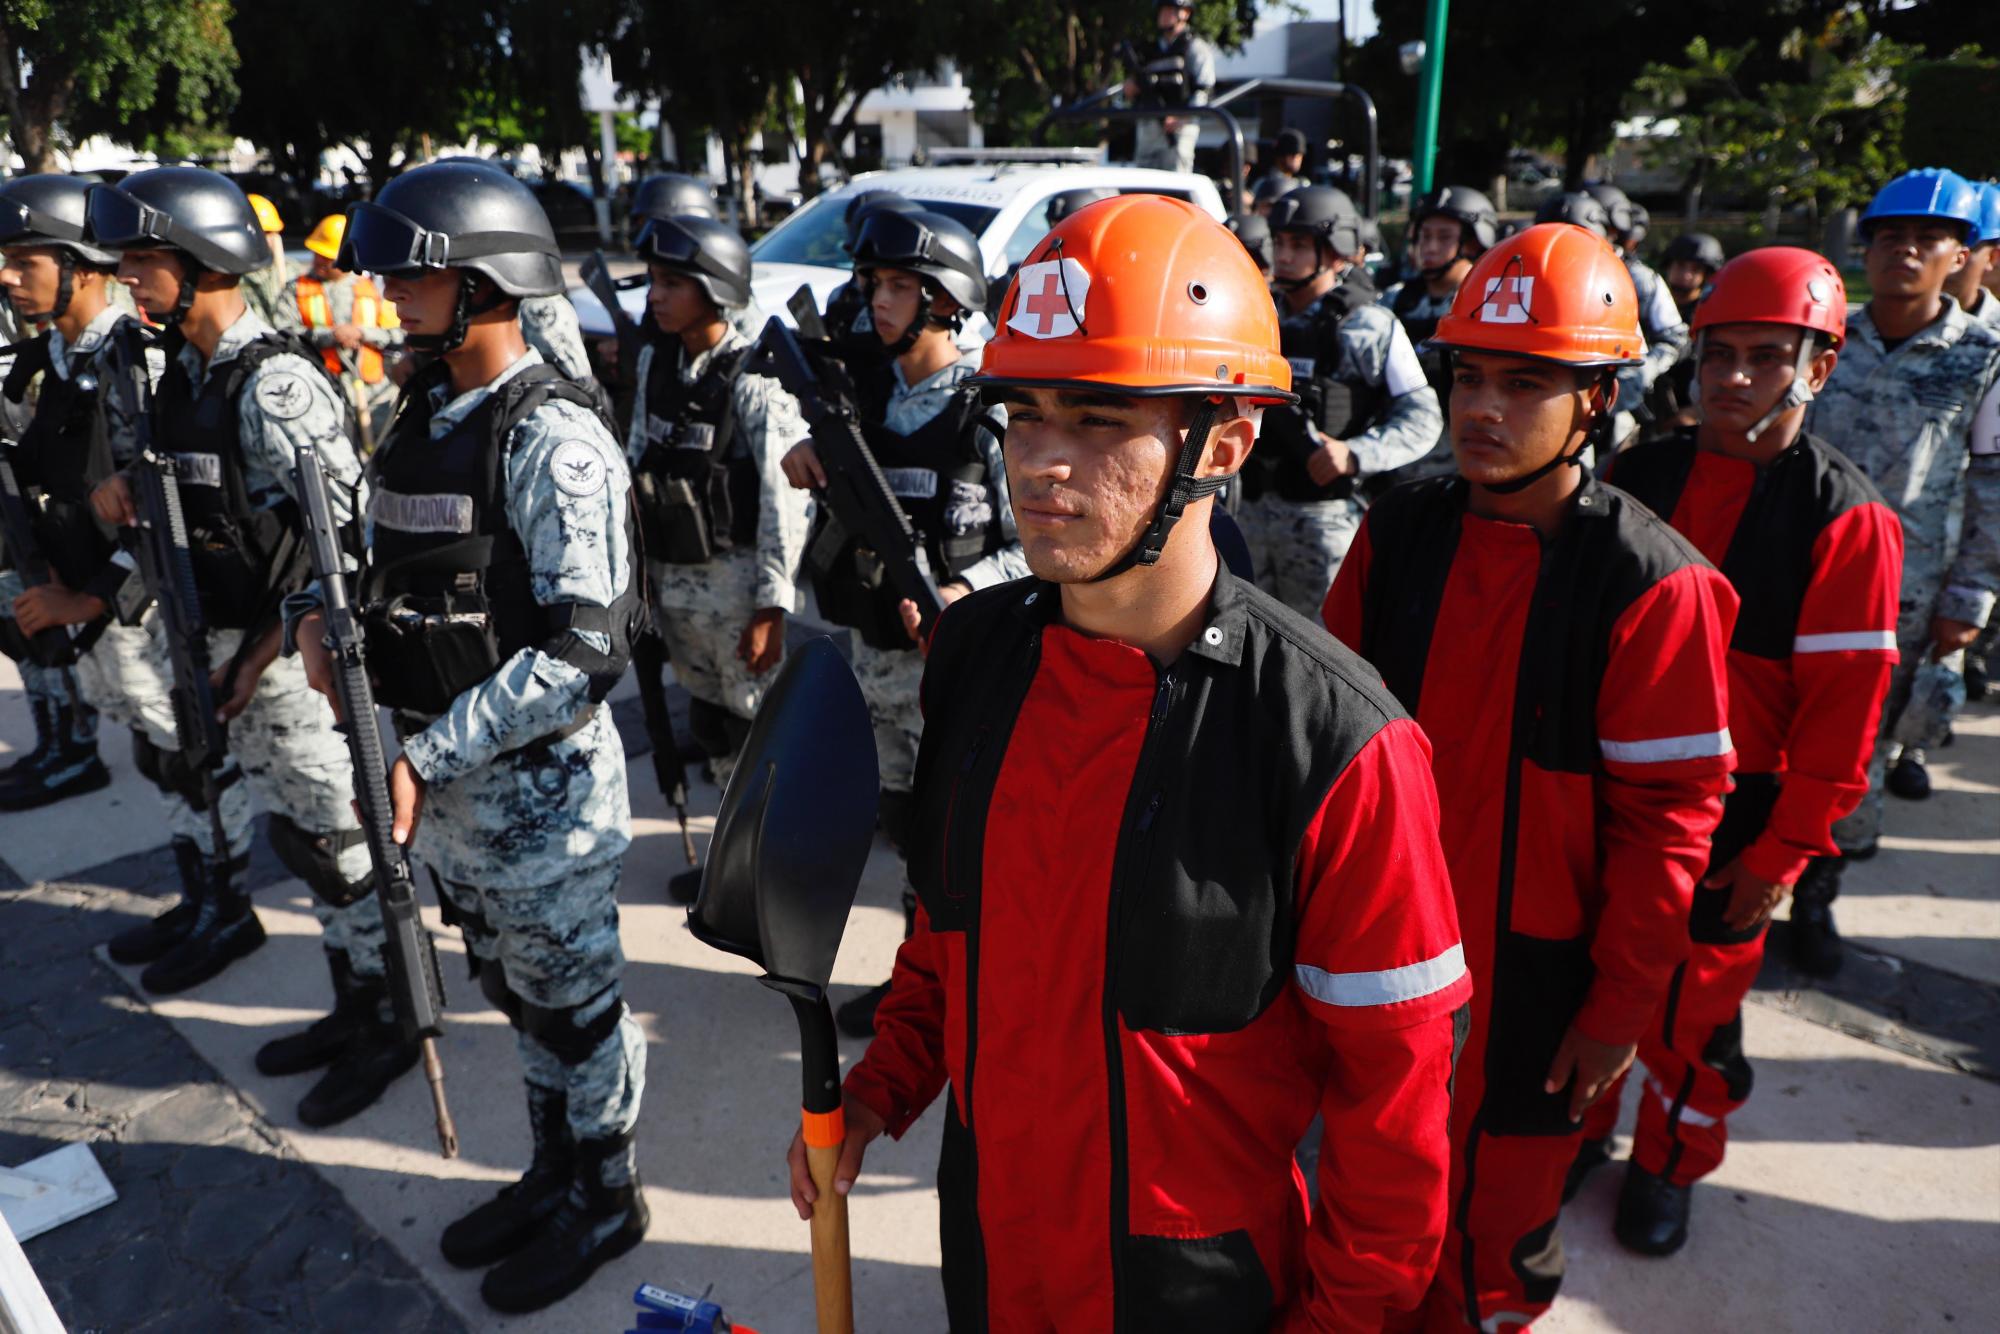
895, 240
122, 222
664, 241
381, 240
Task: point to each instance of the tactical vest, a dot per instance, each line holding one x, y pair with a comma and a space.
446, 595
370, 312
1411, 297
60, 457
696, 484
939, 477
1166, 79
245, 559
1339, 407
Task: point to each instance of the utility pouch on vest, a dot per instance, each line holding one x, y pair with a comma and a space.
672, 519
426, 648
852, 586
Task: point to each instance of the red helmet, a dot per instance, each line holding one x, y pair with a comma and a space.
1554, 292
1778, 284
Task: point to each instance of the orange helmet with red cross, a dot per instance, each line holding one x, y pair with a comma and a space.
1554, 292
1142, 295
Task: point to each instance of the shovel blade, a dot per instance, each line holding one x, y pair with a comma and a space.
796, 824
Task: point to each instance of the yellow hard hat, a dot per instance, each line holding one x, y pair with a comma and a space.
325, 238
267, 214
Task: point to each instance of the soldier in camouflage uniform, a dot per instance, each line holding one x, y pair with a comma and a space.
1660, 318
264, 289
1915, 373
1366, 408
512, 777
723, 532
940, 450
234, 400
34, 221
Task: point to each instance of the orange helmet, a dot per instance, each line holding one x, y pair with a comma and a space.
1554, 292
1140, 295
1778, 284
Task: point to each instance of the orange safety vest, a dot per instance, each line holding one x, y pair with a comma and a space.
370, 311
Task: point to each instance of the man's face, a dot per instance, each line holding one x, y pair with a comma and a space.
896, 301
1744, 370
1511, 415
1438, 242
1686, 278
676, 301
1979, 264
1086, 473
31, 276
154, 279
1294, 256
322, 267
1169, 20
425, 300
1912, 257
1291, 163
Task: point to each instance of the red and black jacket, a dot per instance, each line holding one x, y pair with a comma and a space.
1573, 691
1166, 916
1817, 557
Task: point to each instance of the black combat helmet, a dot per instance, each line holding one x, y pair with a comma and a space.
1255, 234
706, 250
936, 247
1323, 213
192, 210
457, 214
1618, 208
50, 211
1069, 201
868, 201
1696, 247
671, 194
1273, 187
1466, 206
1578, 208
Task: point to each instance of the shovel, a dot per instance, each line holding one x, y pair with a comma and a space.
790, 844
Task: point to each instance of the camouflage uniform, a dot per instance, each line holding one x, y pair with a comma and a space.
703, 609
1667, 341
890, 678
1906, 419
1298, 544
265, 290
550, 325
528, 838
1421, 319
339, 293
290, 758
1986, 309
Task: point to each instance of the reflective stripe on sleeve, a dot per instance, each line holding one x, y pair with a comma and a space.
1846, 641
1666, 749
1410, 982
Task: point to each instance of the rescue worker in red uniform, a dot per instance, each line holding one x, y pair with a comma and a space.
1563, 650
1817, 558
1177, 859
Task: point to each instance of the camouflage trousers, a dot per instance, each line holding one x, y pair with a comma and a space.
1153, 146
61, 708
702, 624
1913, 638
890, 681
555, 947
295, 765
1298, 546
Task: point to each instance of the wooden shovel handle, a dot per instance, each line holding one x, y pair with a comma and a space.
833, 1281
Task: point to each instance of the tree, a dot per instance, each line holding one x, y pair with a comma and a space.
837, 54
93, 64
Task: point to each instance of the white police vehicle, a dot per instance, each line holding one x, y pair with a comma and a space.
1004, 204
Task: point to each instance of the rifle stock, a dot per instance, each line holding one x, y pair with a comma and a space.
407, 950
597, 277
857, 493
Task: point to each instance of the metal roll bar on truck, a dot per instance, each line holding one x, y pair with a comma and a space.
1095, 108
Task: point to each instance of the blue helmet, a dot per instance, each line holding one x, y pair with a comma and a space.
1928, 192
1989, 213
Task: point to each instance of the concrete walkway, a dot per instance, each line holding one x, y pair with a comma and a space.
1862, 1189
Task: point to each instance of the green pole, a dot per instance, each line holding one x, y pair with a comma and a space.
1428, 88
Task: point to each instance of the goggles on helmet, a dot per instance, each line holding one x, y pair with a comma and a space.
381, 240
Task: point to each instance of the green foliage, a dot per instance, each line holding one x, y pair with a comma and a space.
1936, 128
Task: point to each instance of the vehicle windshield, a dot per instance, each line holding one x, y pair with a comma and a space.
817, 233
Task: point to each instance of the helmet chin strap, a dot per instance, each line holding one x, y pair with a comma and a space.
1185, 489
927, 318
1319, 267
191, 271
1796, 395
463, 309
1574, 459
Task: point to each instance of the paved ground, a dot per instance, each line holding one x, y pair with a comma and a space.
1863, 1188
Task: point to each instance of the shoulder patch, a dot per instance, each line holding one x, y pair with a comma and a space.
284, 395
578, 468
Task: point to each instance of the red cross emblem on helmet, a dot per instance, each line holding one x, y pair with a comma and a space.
1054, 295
1507, 300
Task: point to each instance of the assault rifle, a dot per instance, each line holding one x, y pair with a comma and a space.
166, 568
649, 662
605, 288
859, 501
409, 952
55, 646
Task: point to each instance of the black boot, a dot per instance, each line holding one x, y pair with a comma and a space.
1590, 1155
225, 928
374, 1057
507, 1222
1908, 778
601, 1217
149, 940
683, 887
69, 768
1652, 1213
1815, 942
356, 1001
44, 713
